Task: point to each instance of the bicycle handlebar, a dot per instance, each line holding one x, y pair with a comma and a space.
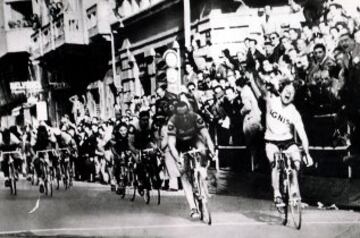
44, 151
16, 152
193, 151
148, 150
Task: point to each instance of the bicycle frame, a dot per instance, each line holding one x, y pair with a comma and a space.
288, 179
197, 170
198, 178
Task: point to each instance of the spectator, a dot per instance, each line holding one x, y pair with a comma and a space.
279, 49
190, 75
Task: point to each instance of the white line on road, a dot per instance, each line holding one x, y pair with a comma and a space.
189, 225
37, 204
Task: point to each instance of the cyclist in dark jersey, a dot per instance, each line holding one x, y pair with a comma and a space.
8, 142
119, 146
141, 137
187, 130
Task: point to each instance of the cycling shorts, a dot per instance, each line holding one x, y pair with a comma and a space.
287, 146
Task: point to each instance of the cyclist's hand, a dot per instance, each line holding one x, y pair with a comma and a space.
309, 161
214, 156
137, 158
179, 165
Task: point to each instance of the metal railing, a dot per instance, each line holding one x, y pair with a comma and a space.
342, 148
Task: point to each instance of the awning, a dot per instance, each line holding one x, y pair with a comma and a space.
16, 111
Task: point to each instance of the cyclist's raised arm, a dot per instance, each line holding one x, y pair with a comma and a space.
257, 89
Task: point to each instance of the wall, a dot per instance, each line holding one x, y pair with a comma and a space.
3, 45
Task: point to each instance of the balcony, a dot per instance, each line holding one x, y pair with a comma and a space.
17, 40
130, 8
65, 30
98, 19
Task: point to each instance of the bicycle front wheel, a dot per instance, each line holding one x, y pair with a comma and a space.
284, 190
205, 214
13, 186
296, 209
12, 180
49, 186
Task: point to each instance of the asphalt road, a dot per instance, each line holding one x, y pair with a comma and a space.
88, 210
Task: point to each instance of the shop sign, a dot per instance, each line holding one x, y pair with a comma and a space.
25, 87
59, 85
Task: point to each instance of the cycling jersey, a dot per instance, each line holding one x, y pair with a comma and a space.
280, 120
141, 137
185, 129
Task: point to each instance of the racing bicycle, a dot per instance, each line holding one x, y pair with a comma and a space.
288, 184
198, 174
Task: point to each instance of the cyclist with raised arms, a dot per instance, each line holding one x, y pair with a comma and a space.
187, 130
282, 118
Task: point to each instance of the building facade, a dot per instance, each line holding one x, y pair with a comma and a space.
108, 51
15, 32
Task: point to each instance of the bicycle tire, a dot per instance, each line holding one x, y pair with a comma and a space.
284, 190
147, 196
32, 179
296, 210
67, 177
58, 178
134, 193
124, 194
205, 214
66, 183
12, 180
159, 197
48, 187
12, 186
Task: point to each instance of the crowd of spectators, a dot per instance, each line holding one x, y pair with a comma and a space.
321, 55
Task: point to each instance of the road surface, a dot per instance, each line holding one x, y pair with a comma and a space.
93, 210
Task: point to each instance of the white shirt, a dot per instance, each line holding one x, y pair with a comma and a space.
280, 120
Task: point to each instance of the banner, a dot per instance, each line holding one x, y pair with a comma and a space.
41, 111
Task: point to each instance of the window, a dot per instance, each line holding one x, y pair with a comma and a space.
19, 14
